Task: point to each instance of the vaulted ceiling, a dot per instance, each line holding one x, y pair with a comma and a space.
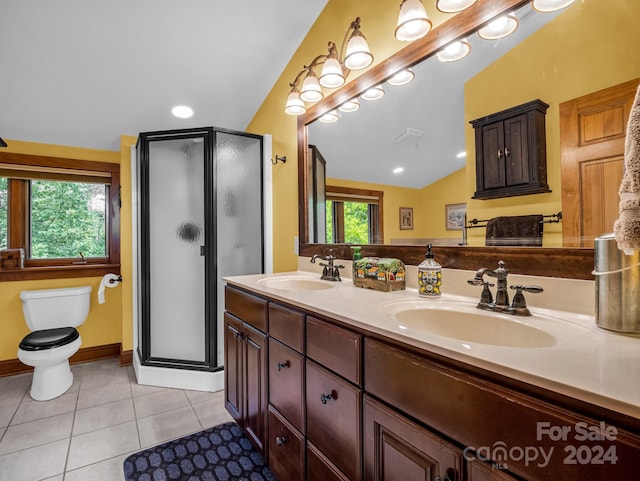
83, 72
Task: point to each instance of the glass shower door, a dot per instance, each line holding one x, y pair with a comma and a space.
174, 259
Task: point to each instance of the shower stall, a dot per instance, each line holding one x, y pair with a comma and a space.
200, 213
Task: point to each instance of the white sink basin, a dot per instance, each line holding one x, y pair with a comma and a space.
466, 323
292, 283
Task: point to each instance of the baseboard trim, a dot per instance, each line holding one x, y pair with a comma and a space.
86, 354
126, 357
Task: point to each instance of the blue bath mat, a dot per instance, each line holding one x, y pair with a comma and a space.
221, 453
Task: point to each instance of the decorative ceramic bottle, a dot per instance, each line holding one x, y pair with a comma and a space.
429, 276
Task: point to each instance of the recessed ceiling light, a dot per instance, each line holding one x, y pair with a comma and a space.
398, 170
182, 111
460, 155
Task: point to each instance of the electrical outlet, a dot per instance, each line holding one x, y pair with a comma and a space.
295, 245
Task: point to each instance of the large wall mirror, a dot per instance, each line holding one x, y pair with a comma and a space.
423, 128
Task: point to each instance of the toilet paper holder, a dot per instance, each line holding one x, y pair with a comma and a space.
108, 281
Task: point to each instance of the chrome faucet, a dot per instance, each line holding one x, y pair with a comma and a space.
519, 305
330, 272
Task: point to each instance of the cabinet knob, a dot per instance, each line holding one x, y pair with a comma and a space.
280, 440
507, 152
499, 153
282, 365
326, 397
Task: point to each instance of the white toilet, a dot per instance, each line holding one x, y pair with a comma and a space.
52, 316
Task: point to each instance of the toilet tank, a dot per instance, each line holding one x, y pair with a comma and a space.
51, 308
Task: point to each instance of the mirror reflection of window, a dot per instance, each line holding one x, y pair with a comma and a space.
353, 216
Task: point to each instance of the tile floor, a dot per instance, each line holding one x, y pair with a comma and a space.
86, 433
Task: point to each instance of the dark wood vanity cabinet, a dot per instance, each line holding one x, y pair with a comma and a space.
246, 378
347, 405
396, 448
510, 152
246, 364
287, 405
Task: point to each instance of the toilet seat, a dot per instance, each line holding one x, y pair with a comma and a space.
49, 338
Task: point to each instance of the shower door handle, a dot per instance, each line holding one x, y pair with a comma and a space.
202, 250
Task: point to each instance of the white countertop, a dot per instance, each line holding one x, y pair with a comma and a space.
585, 362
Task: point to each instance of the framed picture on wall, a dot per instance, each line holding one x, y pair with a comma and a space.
406, 218
454, 215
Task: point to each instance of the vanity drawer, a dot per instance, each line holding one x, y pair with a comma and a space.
287, 326
251, 309
335, 348
286, 449
334, 419
286, 382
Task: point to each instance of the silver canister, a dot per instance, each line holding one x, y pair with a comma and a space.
617, 286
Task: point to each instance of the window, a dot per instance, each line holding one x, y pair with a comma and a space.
64, 213
354, 216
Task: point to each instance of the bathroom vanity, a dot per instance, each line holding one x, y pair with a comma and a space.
333, 382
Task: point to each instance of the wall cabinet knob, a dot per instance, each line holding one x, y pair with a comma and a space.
280, 440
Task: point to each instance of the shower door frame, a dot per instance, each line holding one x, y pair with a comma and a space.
208, 250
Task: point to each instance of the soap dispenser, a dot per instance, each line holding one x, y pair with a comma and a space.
429, 276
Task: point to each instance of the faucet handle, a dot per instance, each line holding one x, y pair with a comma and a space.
532, 289
518, 299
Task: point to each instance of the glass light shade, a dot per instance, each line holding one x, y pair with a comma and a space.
331, 76
546, 6
374, 93
294, 106
413, 21
499, 28
329, 117
182, 112
311, 91
358, 55
453, 6
454, 51
349, 106
402, 77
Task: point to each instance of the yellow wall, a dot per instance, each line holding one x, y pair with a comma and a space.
104, 323
586, 48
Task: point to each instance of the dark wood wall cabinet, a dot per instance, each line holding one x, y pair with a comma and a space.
332, 402
511, 153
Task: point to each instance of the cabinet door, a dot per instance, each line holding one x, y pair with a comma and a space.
255, 385
233, 367
397, 449
333, 419
286, 449
493, 155
286, 382
479, 471
516, 150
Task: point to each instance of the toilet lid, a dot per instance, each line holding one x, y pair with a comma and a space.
49, 338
